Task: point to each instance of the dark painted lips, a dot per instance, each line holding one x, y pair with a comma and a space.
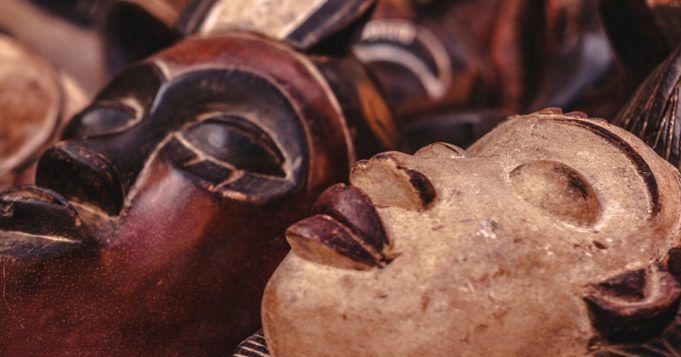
346, 231
36, 222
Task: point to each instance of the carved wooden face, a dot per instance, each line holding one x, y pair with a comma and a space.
493, 251
155, 224
424, 63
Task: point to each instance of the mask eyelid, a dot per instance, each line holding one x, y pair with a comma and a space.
223, 138
102, 119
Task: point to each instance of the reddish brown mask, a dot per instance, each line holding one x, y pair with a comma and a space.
157, 222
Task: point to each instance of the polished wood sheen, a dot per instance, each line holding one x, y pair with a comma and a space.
157, 221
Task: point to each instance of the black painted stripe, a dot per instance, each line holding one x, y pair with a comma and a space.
331, 17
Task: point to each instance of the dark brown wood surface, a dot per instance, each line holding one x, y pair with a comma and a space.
159, 218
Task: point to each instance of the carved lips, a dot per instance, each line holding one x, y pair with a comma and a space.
345, 232
60, 230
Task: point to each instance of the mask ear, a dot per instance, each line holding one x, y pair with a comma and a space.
319, 26
635, 310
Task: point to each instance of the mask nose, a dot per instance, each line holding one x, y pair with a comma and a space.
81, 175
389, 181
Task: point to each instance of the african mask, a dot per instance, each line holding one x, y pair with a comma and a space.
454, 69
35, 99
134, 29
157, 221
549, 236
423, 62
321, 26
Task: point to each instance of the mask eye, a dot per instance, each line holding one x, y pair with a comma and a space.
100, 120
557, 189
238, 143
123, 103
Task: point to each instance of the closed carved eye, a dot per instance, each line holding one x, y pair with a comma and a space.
250, 148
558, 190
122, 104
101, 119
223, 148
237, 143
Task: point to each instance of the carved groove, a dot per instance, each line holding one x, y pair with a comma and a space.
254, 346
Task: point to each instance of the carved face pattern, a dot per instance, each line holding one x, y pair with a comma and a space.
157, 218
302, 24
423, 64
508, 248
247, 149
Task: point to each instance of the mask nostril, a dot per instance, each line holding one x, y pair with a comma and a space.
82, 176
388, 183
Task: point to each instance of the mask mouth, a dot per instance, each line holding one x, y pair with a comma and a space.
37, 222
346, 232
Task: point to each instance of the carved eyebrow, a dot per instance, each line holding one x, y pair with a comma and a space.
641, 165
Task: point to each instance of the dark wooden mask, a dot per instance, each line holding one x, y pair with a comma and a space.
156, 223
424, 61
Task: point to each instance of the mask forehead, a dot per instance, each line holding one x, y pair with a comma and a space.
632, 176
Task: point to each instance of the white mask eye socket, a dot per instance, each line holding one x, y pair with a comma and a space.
441, 151
557, 189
